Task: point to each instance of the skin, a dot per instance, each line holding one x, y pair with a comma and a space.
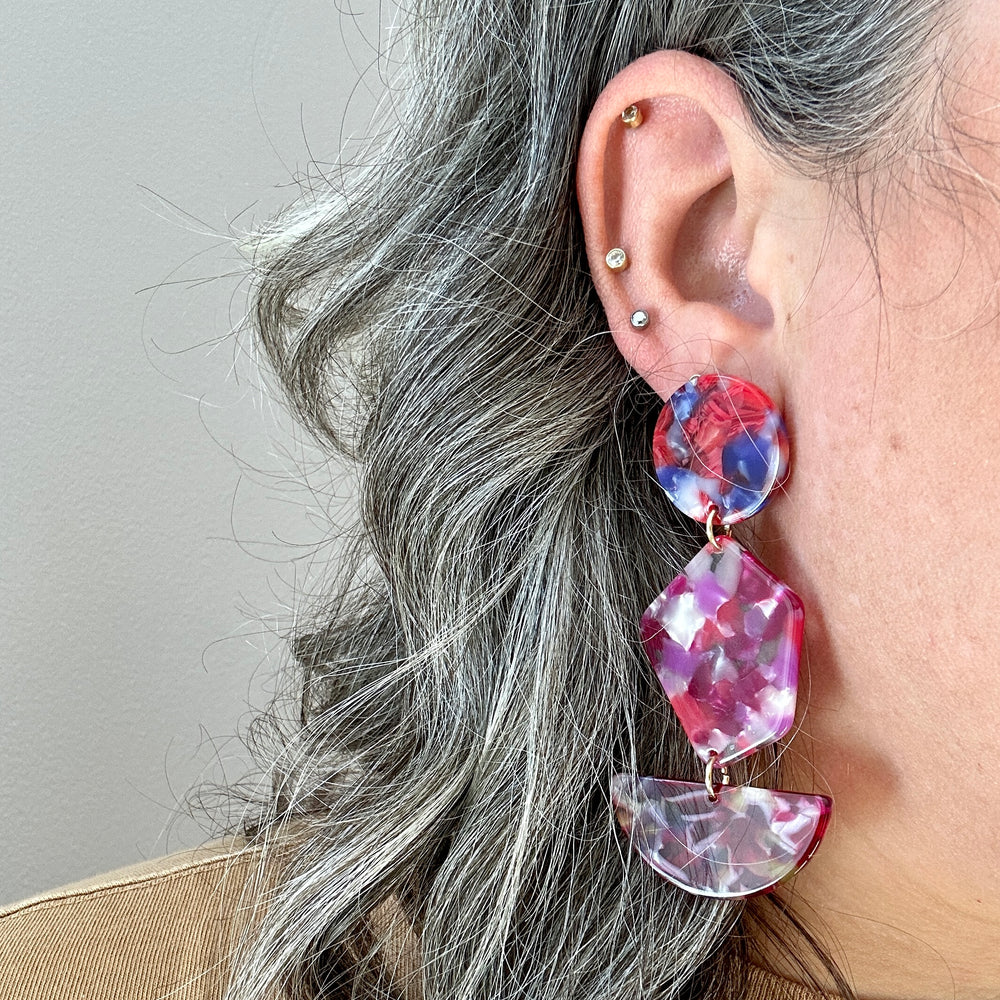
885, 526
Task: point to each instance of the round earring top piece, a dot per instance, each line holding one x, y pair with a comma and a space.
639, 319
632, 116
720, 442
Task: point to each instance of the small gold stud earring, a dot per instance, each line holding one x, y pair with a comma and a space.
632, 117
616, 259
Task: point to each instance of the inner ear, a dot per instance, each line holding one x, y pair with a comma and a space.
709, 258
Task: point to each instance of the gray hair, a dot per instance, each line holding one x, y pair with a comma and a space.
476, 678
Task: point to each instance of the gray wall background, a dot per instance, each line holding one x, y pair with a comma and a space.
146, 573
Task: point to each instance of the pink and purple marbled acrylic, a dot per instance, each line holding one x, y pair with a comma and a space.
742, 844
720, 442
724, 641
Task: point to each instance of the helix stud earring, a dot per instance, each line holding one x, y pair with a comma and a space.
616, 259
632, 117
639, 319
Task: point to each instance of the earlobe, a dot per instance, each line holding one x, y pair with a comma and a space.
681, 195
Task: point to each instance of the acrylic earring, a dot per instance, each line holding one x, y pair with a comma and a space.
724, 641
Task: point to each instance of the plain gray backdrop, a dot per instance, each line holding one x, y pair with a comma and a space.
153, 537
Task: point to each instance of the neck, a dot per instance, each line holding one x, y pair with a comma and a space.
907, 906
891, 939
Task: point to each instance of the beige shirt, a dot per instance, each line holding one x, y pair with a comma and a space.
161, 930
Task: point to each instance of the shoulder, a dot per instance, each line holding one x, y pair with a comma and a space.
160, 928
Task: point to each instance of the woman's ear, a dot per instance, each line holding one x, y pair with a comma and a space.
685, 194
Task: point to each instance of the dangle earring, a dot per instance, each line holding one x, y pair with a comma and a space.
724, 641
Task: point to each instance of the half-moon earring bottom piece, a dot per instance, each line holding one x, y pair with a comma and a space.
723, 639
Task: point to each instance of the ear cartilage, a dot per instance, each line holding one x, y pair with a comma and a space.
616, 259
639, 319
632, 117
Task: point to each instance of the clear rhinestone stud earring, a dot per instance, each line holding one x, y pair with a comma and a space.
632, 116
616, 259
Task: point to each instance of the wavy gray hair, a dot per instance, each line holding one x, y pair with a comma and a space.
470, 688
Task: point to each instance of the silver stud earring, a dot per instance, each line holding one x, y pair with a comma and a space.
616, 259
632, 117
639, 319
